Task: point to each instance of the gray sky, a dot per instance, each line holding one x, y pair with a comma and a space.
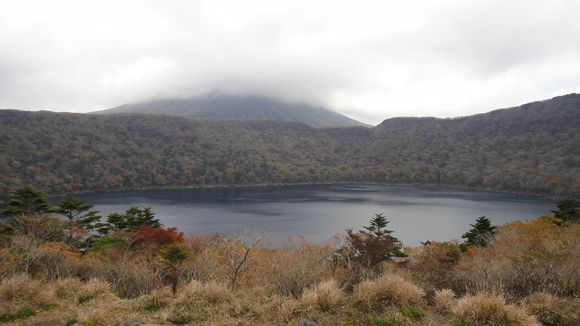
370, 60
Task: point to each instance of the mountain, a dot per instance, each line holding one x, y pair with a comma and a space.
531, 149
239, 107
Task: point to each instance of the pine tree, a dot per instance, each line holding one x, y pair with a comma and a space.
131, 221
173, 256
567, 210
80, 218
479, 234
27, 200
375, 245
377, 226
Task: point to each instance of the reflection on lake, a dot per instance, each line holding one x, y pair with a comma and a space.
415, 213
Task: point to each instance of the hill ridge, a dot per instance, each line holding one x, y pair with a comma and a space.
239, 107
532, 149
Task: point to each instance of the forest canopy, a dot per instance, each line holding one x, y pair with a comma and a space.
531, 149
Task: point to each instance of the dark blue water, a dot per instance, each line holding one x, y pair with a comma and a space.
415, 213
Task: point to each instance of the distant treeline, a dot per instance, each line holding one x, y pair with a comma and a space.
532, 149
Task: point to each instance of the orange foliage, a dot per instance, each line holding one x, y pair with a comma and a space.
434, 261
156, 237
525, 257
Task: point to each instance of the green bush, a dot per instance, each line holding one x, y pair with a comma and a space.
24, 311
412, 312
152, 306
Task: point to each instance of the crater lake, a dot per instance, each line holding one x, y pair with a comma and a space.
415, 213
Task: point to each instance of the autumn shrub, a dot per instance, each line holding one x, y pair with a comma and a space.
387, 290
131, 275
523, 258
55, 260
6, 263
202, 266
155, 238
295, 267
433, 261
489, 309
551, 310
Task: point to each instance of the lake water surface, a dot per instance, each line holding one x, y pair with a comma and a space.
321, 211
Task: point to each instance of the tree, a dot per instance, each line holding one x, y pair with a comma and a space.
156, 237
80, 219
234, 253
26, 200
567, 210
375, 245
377, 227
131, 221
39, 228
479, 234
173, 256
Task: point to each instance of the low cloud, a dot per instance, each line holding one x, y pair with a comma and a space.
370, 60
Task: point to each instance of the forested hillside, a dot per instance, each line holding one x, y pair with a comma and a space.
531, 149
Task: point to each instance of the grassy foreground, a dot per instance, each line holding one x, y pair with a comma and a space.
526, 274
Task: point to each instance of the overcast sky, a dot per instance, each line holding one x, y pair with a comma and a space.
369, 60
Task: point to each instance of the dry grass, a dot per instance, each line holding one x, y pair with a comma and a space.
92, 289
444, 300
553, 311
200, 302
131, 277
212, 292
93, 316
157, 299
488, 309
21, 288
389, 289
526, 257
22, 297
326, 296
67, 288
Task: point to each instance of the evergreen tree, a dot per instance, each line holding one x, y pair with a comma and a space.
173, 256
131, 221
81, 220
375, 245
27, 200
377, 226
567, 210
479, 234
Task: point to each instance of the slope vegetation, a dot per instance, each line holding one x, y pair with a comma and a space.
530, 149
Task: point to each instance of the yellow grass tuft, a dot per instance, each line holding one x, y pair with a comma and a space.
67, 288
95, 287
211, 292
326, 296
389, 289
93, 316
489, 309
444, 300
551, 310
21, 288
